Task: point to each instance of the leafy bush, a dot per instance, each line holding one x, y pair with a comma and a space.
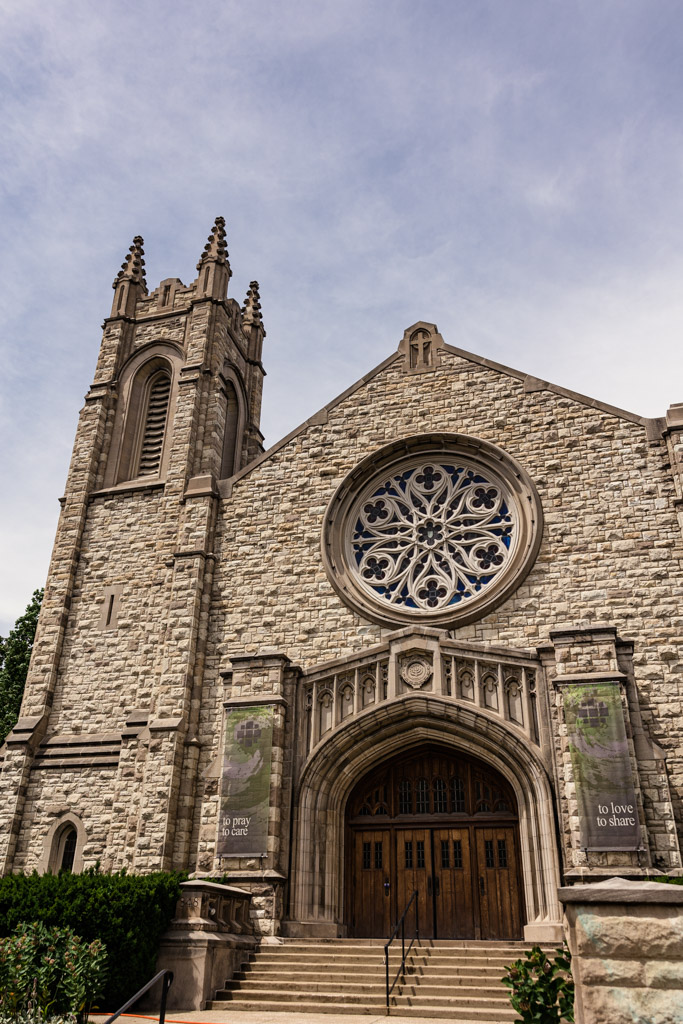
49, 970
129, 913
542, 989
667, 879
15, 654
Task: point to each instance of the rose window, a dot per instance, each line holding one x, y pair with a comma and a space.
432, 535
437, 527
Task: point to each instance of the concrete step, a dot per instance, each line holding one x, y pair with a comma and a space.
462, 1014
371, 998
419, 970
434, 956
427, 990
451, 979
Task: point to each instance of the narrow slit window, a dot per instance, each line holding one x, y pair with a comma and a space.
408, 849
367, 847
502, 854
445, 854
378, 855
488, 851
457, 853
420, 853
405, 797
422, 797
152, 445
458, 794
69, 850
440, 797
111, 603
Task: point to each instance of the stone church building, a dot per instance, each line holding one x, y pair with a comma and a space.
430, 641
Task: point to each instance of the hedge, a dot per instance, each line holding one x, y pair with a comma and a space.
129, 913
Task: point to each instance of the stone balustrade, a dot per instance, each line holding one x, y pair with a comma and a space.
497, 682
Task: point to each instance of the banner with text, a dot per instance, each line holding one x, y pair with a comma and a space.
602, 767
245, 783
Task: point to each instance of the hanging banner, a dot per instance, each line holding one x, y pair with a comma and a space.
602, 767
245, 782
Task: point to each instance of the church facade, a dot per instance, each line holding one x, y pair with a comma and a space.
431, 641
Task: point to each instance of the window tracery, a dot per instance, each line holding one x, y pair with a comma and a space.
438, 527
433, 535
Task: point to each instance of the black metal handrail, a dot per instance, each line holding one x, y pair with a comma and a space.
165, 985
404, 952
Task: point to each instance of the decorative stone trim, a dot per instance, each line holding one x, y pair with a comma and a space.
436, 528
81, 750
495, 683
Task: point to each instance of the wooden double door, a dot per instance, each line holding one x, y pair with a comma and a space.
426, 835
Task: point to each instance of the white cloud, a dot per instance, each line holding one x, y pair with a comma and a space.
511, 172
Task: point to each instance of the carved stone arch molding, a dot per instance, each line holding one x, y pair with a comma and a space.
437, 529
366, 742
52, 855
236, 410
135, 375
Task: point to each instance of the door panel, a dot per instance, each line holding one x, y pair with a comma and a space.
453, 883
498, 883
414, 872
371, 897
446, 827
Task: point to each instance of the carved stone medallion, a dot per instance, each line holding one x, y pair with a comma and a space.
415, 669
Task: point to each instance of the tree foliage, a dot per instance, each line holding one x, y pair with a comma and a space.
15, 655
129, 913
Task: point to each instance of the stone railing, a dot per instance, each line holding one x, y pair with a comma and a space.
500, 683
209, 938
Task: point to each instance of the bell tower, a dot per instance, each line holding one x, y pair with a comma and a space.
174, 407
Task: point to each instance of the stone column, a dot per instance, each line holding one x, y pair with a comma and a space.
268, 679
626, 942
588, 655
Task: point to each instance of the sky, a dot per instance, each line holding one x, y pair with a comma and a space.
511, 170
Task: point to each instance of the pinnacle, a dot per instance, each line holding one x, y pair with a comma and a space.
215, 250
251, 310
133, 267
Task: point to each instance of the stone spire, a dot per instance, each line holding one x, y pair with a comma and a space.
130, 283
214, 266
252, 321
251, 310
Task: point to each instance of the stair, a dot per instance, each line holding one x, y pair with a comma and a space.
460, 980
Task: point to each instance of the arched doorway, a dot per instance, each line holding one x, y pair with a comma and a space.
445, 825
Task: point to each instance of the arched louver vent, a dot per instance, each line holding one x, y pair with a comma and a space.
155, 425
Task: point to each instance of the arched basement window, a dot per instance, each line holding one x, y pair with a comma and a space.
68, 849
156, 414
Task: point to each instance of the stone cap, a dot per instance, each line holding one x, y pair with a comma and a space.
217, 888
621, 890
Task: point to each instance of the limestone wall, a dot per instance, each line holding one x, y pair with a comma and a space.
611, 550
626, 941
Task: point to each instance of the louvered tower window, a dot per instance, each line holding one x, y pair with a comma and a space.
152, 444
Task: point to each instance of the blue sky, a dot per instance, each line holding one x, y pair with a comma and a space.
510, 170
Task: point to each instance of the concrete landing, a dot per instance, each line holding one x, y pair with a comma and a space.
251, 1017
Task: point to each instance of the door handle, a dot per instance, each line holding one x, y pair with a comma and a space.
387, 886
429, 884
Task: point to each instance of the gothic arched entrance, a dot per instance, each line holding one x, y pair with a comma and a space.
445, 825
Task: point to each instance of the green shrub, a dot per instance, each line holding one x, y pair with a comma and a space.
46, 971
542, 989
129, 913
667, 879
